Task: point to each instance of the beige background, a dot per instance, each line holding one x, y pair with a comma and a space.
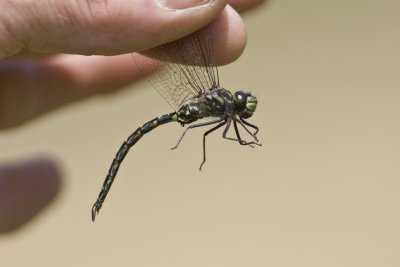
323, 190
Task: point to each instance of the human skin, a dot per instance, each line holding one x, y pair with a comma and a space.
45, 47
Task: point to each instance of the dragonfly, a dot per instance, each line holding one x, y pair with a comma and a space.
188, 80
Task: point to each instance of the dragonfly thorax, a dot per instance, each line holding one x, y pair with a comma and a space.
214, 103
245, 104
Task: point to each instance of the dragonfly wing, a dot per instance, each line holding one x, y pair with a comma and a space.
185, 67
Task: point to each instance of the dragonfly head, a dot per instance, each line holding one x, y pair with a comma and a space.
245, 104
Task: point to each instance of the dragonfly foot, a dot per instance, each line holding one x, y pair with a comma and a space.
201, 165
95, 210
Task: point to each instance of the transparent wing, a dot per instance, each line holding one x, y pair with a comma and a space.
185, 68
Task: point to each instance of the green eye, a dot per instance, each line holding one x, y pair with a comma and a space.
251, 103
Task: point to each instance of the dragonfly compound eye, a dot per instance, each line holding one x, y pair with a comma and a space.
245, 104
239, 99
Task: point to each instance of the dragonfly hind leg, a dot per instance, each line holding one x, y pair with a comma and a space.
194, 126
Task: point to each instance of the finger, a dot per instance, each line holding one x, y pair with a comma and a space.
228, 35
57, 81
26, 188
100, 27
245, 5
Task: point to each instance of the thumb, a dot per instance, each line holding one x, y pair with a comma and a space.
100, 26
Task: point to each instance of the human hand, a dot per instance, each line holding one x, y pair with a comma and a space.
43, 46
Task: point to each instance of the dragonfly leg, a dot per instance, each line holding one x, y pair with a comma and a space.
195, 126
224, 121
248, 131
250, 125
238, 139
241, 141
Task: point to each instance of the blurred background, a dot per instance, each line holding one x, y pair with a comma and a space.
323, 190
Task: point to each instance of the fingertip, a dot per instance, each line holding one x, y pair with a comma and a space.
229, 36
246, 5
172, 24
26, 188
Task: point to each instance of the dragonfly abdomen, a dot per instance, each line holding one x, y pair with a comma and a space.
123, 151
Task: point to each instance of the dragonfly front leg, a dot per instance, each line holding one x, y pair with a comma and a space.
250, 125
238, 138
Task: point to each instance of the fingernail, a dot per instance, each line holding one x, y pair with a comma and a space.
182, 4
